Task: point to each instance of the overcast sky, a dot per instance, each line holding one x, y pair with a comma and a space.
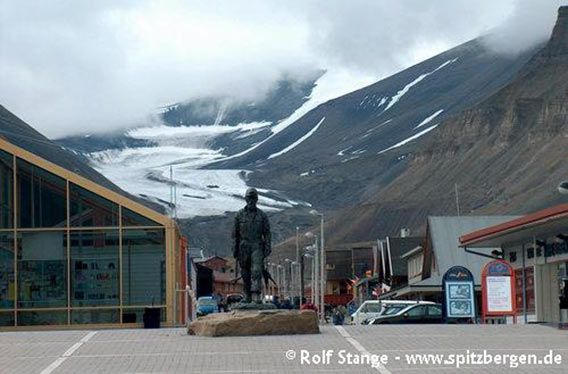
69, 67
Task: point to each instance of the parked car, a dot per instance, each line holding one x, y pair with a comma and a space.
206, 305
372, 309
417, 313
234, 298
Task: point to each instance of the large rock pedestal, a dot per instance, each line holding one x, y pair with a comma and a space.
255, 322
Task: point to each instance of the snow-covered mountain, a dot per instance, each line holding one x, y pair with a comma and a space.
174, 149
302, 145
504, 155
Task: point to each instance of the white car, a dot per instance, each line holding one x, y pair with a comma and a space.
372, 309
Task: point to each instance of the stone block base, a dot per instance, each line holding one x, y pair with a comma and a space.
255, 322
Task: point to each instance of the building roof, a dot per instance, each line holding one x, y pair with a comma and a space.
398, 247
226, 277
22, 135
547, 221
444, 234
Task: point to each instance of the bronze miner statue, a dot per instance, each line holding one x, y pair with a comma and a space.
251, 245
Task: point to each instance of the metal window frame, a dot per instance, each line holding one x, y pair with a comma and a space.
164, 223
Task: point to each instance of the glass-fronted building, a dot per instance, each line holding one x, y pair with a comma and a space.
74, 248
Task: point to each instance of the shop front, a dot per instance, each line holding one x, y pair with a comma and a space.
74, 253
536, 246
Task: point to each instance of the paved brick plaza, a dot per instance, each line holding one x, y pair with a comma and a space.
172, 351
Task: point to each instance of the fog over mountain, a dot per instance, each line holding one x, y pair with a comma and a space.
74, 67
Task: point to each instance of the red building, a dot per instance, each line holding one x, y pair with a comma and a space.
224, 275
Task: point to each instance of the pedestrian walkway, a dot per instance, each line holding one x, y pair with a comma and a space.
172, 351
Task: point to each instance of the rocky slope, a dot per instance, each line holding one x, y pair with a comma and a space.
374, 160
507, 154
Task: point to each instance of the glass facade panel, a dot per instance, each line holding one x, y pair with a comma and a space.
42, 269
90, 316
7, 318
41, 285
91, 210
6, 191
136, 315
130, 218
143, 267
51, 317
41, 197
95, 268
7, 285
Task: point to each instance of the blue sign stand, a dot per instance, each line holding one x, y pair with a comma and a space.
458, 294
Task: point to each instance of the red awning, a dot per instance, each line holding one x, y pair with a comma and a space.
540, 222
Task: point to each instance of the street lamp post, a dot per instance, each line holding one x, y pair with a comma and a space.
316, 275
279, 279
300, 261
311, 276
301, 280
296, 282
288, 278
322, 266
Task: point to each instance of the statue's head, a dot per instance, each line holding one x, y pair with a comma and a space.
251, 197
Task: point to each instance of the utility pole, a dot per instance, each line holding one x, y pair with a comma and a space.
317, 283
301, 280
322, 274
457, 198
300, 262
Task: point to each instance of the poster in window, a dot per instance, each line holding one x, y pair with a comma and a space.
499, 296
461, 308
459, 299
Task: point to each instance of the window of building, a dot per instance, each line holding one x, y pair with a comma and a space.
7, 319
41, 197
130, 218
91, 210
143, 267
6, 191
42, 269
7, 281
95, 268
90, 316
415, 265
52, 317
61, 260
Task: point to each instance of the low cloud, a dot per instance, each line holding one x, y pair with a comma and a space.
71, 67
529, 23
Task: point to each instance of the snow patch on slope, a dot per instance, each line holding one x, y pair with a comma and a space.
429, 119
299, 141
329, 86
407, 88
408, 140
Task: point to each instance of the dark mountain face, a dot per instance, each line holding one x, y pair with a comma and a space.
506, 154
388, 155
287, 95
349, 157
379, 116
371, 139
